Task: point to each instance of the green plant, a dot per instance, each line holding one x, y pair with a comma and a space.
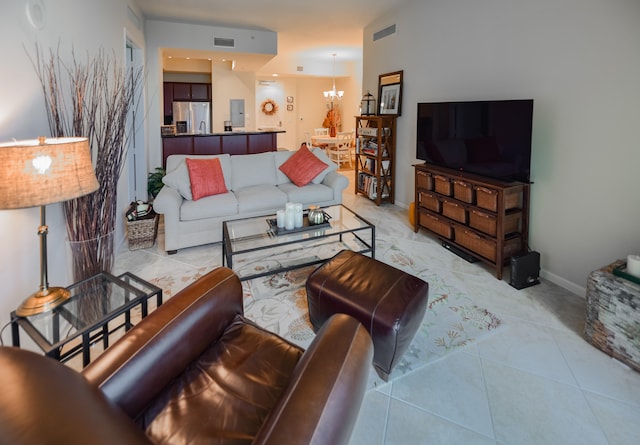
154, 182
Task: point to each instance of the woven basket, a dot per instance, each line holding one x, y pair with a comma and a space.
454, 211
424, 180
436, 225
486, 222
429, 201
442, 185
142, 232
463, 191
485, 247
488, 198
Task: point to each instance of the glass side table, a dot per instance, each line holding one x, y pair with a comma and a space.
85, 317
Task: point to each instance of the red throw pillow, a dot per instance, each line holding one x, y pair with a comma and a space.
302, 167
206, 178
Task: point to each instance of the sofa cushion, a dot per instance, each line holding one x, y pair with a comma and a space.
179, 179
302, 167
253, 169
332, 166
280, 157
205, 177
225, 396
260, 198
309, 194
177, 176
213, 206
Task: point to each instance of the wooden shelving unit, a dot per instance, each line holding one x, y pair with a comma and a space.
485, 218
375, 157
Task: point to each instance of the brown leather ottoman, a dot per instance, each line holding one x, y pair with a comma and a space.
390, 303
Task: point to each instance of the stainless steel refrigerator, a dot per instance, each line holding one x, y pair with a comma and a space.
196, 116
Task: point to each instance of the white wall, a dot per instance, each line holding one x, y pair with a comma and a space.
580, 61
163, 34
67, 23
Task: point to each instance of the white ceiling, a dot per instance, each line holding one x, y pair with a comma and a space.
307, 29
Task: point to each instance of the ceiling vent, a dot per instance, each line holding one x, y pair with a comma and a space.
223, 41
384, 32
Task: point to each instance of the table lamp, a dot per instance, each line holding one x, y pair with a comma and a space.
37, 173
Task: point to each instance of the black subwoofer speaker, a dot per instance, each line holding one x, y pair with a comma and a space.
525, 270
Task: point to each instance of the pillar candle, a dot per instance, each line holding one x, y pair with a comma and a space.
298, 215
633, 265
280, 219
289, 220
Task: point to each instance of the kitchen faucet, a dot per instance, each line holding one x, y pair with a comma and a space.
202, 127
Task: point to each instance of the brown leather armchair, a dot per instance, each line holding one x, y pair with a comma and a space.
194, 371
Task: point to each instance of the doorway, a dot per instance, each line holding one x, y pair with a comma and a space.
136, 154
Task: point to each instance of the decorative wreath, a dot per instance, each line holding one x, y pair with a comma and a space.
269, 107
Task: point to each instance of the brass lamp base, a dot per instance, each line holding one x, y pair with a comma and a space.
43, 301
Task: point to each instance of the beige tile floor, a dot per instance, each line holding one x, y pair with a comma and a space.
536, 381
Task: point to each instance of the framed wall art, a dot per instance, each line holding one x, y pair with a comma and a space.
390, 93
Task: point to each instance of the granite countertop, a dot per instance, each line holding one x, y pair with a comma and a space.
223, 133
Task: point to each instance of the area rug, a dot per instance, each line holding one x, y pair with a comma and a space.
278, 303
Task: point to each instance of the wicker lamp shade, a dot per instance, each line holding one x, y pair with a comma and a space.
44, 171
37, 173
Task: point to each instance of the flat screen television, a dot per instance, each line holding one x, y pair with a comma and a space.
489, 138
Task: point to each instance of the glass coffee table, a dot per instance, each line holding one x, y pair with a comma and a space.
255, 242
98, 307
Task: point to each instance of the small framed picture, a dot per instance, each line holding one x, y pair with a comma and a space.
390, 93
289, 107
289, 100
390, 99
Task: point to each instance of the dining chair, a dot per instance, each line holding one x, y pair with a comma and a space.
307, 140
341, 152
321, 131
310, 143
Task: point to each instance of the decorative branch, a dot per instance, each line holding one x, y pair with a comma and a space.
92, 100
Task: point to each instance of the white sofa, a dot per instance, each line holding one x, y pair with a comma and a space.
255, 187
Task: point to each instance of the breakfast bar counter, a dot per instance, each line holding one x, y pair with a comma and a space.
227, 142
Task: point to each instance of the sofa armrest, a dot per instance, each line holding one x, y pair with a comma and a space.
338, 182
136, 368
43, 401
168, 203
321, 403
168, 200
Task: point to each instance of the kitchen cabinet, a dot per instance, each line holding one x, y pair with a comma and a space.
167, 93
191, 92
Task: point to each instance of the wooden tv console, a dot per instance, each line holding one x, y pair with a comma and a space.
478, 216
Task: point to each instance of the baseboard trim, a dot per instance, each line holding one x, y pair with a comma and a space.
572, 287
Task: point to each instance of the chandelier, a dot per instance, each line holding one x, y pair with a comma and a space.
333, 94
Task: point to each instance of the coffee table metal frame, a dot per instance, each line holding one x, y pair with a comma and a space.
54, 330
254, 234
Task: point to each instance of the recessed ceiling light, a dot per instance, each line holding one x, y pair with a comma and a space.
274, 75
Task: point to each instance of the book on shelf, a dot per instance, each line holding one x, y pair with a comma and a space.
369, 185
372, 131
